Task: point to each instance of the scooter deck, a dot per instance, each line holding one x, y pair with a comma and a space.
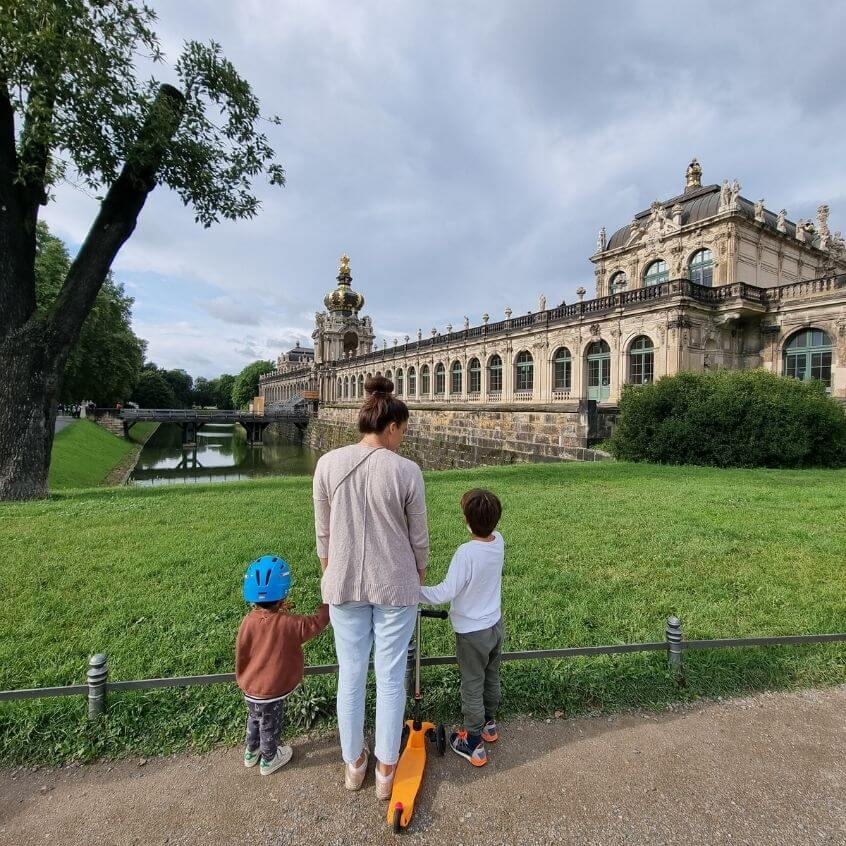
409, 774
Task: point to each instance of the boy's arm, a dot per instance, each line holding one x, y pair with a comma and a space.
312, 625
456, 579
418, 526
321, 517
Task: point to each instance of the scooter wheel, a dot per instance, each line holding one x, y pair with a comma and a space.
440, 739
397, 821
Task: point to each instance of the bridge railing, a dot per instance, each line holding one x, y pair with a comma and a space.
192, 414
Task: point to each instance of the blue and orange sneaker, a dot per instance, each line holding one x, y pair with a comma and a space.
489, 732
470, 747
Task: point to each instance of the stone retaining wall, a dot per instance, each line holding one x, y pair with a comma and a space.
442, 437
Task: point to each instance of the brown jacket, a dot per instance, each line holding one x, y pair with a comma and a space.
269, 651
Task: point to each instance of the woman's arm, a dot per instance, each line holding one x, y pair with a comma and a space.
321, 517
418, 526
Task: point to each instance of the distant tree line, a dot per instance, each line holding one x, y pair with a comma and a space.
107, 364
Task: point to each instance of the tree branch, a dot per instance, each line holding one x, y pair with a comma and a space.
115, 221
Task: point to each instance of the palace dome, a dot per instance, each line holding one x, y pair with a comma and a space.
343, 299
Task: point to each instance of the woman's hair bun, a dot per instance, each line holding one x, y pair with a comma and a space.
379, 386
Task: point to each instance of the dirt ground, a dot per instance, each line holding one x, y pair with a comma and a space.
769, 769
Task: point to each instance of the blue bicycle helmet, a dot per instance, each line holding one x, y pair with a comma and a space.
268, 579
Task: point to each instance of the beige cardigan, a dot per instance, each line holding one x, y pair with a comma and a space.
370, 520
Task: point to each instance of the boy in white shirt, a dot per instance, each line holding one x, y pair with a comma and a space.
473, 587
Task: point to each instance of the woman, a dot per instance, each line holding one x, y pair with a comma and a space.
373, 544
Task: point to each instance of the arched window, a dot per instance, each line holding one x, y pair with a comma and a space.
399, 381
455, 378
618, 282
352, 386
599, 371
562, 370
807, 355
340, 388
361, 385
412, 382
641, 361
424, 380
524, 367
346, 387
494, 374
440, 378
656, 273
701, 267
388, 375
474, 376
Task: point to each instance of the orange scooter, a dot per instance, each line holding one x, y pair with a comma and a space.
412, 762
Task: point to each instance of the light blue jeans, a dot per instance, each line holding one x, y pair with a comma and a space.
358, 626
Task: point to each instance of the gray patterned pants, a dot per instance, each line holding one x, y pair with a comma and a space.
264, 725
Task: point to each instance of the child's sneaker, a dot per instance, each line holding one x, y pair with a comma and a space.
282, 756
489, 732
251, 758
462, 745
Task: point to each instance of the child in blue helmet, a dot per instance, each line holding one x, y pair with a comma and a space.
269, 658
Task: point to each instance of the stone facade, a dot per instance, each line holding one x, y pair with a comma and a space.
446, 437
703, 280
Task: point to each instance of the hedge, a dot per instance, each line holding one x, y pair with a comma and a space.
724, 418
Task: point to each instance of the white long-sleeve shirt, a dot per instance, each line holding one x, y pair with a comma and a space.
473, 585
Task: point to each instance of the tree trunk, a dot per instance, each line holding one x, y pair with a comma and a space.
28, 396
33, 353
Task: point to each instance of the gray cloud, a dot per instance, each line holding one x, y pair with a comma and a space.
465, 155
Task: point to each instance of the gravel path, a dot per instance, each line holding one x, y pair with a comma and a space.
63, 420
770, 769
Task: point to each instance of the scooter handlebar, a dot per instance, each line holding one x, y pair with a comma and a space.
430, 612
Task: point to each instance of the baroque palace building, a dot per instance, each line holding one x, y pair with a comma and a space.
702, 280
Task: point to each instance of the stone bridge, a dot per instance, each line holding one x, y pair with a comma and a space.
193, 419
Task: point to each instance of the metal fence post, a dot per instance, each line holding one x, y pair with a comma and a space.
97, 676
673, 636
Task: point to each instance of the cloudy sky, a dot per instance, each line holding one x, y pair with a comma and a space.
465, 154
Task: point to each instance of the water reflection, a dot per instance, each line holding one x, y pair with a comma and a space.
222, 454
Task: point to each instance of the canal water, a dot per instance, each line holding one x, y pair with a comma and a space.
221, 455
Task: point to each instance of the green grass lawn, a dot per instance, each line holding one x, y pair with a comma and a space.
84, 453
596, 554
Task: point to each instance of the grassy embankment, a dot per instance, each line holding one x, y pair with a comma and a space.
85, 454
596, 554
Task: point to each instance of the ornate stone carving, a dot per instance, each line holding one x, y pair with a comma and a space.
781, 221
595, 329
419, 334
542, 303
735, 194
580, 293
759, 211
801, 230
725, 196
485, 318
601, 240
508, 313
680, 322
466, 322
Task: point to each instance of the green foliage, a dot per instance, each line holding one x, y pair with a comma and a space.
182, 386
246, 383
596, 554
203, 393
153, 390
70, 68
84, 453
748, 418
103, 366
223, 386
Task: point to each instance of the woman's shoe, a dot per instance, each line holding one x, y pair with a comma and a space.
384, 784
354, 776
